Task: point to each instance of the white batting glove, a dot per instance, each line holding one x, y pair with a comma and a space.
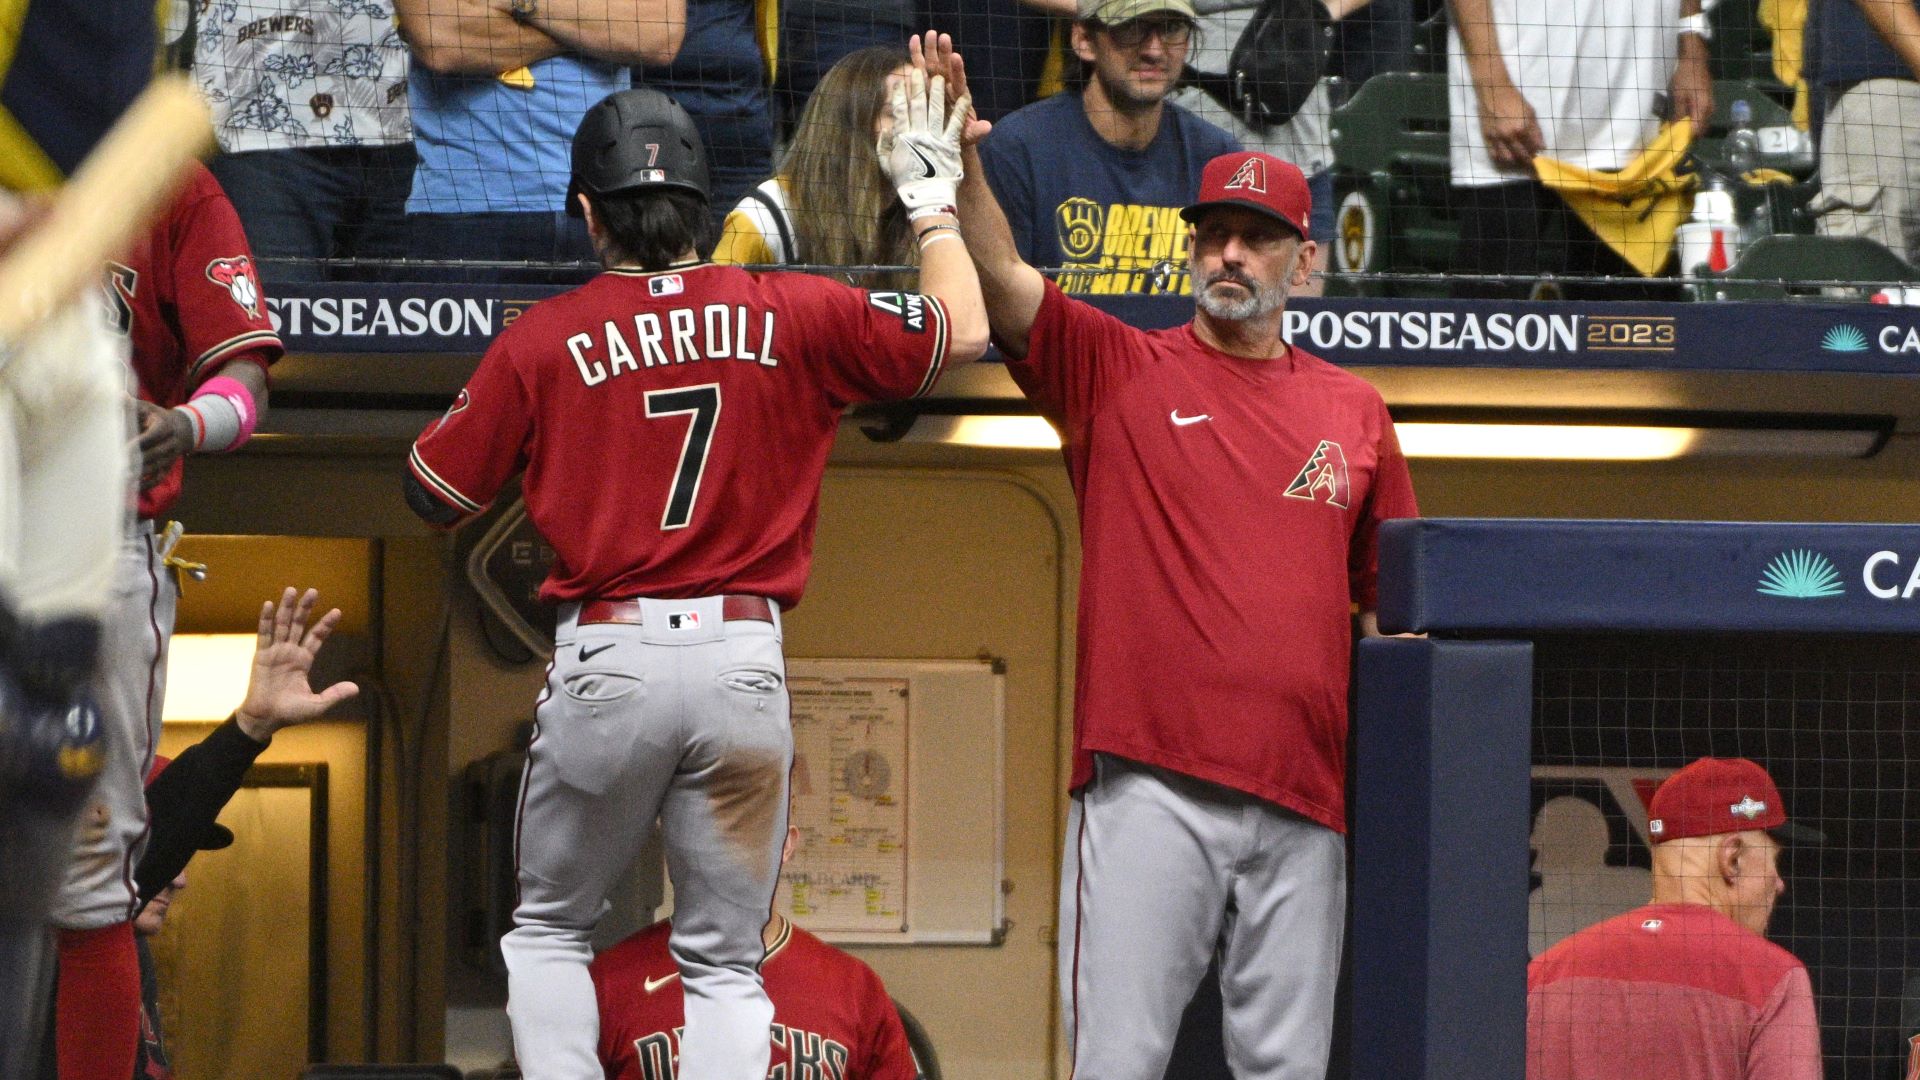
920, 151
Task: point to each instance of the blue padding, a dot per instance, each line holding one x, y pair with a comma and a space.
1440, 806
1502, 575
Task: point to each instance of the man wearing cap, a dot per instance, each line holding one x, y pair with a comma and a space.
1230, 490
1093, 182
1687, 987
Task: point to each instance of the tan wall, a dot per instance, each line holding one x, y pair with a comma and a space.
923, 552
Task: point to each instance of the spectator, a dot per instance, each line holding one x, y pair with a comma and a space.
721, 77
1012, 44
310, 109
497, 89
831, 203
1687, 987
828, 1008
816, 34
205, 776
1304, 140
1093, 182
1582, 82
1866, 64
189, 299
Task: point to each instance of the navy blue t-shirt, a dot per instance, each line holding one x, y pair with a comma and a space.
1110, 217
1842, 48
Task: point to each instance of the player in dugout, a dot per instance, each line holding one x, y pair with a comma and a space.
672, 418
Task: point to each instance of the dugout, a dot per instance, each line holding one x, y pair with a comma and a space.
1584, 659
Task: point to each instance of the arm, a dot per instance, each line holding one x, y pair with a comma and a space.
620, 31
186, 798
1899, 23
167, 435
1692, 86
1786, 1042
470, 37
1511, 129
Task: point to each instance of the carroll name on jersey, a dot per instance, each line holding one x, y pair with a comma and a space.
797, 1055
714, 332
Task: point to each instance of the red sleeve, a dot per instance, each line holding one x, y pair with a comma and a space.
466, 457
1389, 497
866, 346
222, 311
884, 1053
1076, 355
1786, 1040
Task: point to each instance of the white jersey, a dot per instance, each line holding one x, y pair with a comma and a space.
297, 74
1591, 69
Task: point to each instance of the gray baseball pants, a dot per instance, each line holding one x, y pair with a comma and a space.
1161, 871
681, 718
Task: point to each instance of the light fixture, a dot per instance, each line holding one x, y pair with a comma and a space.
1546, 442
206, 676
1008, 432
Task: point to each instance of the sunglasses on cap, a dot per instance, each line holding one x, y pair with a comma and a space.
1133, 33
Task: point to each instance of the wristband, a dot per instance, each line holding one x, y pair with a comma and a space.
924, 233
1696, 23
935, 209
222, 413
925, 244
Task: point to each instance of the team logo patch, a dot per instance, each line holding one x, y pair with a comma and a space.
666, 285
460, 404
910, 307
1324, 477
1250, 176
683, 620
237, 276
1748, 807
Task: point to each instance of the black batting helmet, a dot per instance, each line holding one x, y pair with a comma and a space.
636, 140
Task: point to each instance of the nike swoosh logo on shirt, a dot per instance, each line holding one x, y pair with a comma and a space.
925, 162
1183, 421
587, 654
654, 984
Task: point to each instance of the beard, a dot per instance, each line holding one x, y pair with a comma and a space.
1262, 299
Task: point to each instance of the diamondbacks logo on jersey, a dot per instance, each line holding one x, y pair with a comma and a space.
797, 1055
911, 307
1250, 176
1324, 476
238, 277
122, 285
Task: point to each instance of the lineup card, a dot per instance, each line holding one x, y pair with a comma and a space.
849, 869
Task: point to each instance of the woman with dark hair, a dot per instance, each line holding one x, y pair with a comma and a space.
831, 204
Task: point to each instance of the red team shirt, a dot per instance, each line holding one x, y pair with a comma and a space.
1670, 992
674, 426
1228, 511
188, 297
832, 1019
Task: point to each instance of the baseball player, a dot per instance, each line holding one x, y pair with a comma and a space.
187, 298
1687, 987
673, 418
832, 1018
1230, 489
68, 68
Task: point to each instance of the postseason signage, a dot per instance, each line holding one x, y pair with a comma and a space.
1514, 576
1786, 337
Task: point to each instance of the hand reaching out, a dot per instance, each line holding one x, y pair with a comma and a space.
920, 149
934, 53
277, 691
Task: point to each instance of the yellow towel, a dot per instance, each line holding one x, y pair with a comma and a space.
1788, 21
1636, 210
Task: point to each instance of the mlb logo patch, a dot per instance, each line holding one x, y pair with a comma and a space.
669, 285
683, 620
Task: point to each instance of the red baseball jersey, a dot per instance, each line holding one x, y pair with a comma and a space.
1670, 992
674, 426
832, 1019
188, 297
1228, 510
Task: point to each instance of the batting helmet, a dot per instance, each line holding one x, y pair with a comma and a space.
633, 141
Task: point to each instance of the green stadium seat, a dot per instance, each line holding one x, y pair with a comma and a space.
1790, 268
1390, 184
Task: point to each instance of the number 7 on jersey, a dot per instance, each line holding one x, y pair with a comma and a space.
703, 404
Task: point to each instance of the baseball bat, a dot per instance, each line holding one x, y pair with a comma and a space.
114, 194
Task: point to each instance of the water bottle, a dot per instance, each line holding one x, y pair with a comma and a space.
1743, 143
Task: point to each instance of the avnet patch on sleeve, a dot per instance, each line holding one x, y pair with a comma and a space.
911, 307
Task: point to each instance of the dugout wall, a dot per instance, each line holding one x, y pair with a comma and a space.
1608, 649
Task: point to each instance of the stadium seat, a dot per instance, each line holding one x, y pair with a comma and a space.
1790, 268
920, 1043
1390, 184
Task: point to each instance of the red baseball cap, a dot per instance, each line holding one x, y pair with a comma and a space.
217, 835
1721, 795
1258, 182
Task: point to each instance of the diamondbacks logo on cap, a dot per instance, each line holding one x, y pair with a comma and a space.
666, 285
1251, 176
1323, 477
683, 620
1748, 807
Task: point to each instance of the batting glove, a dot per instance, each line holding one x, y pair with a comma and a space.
920, 151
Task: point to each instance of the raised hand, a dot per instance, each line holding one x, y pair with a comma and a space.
277, 691
934, 52
920, 149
